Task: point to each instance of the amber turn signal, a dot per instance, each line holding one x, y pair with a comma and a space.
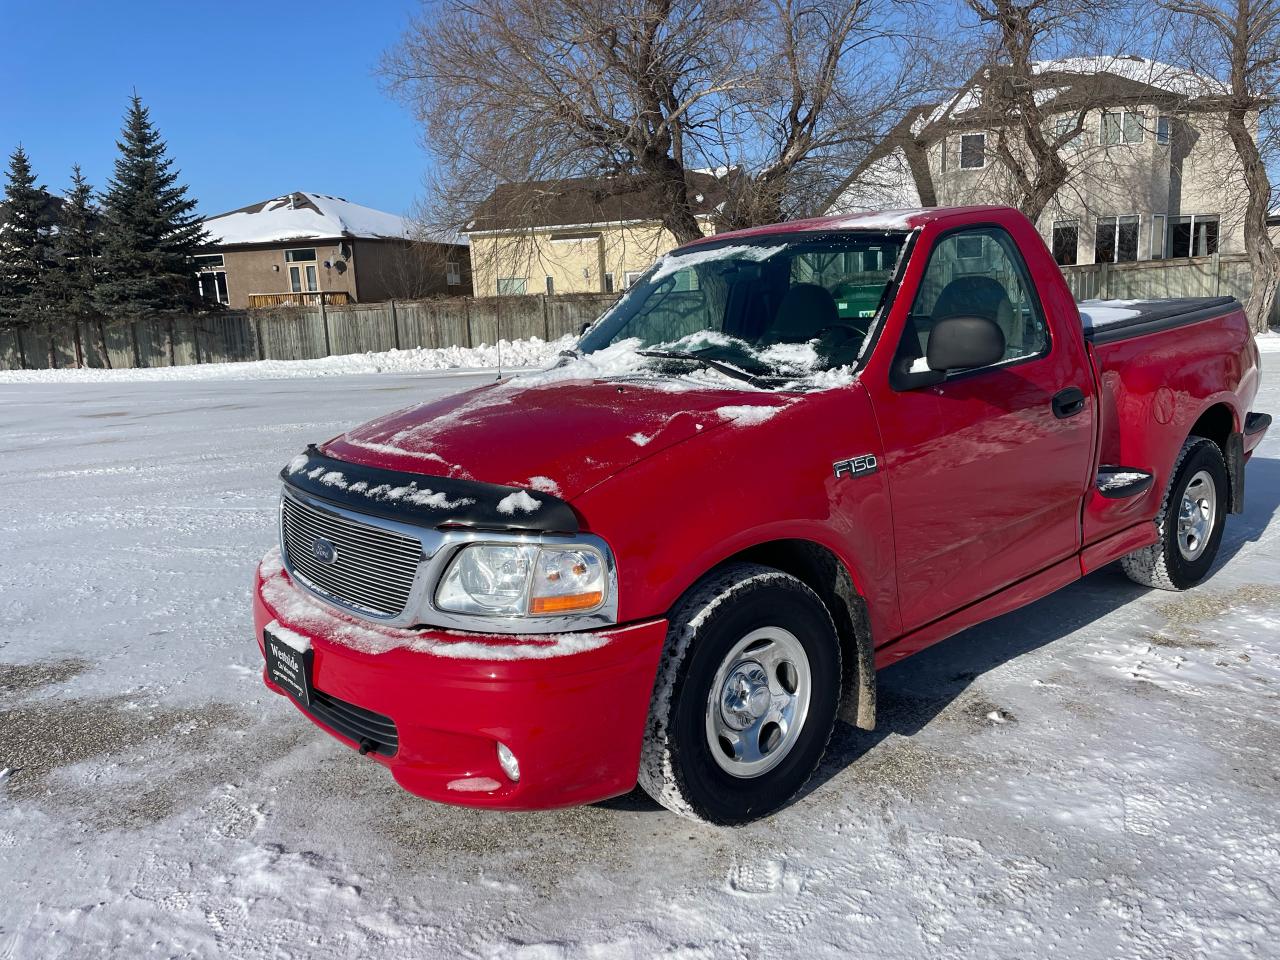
579, 601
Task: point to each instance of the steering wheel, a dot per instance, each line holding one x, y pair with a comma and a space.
834, 349
853, 331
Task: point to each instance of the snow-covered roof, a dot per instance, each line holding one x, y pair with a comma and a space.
1063, 73
1164, 76
308, 216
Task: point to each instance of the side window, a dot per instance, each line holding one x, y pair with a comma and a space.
978, 272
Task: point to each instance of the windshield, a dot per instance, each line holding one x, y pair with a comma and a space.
772, 308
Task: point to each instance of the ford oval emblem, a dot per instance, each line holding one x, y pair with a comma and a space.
324, 551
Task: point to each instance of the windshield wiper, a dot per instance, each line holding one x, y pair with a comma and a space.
727, 369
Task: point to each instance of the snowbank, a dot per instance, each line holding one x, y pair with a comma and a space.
1269, 342
515, 354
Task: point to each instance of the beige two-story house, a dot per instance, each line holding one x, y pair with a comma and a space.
583, 235
1152, 175
306, 249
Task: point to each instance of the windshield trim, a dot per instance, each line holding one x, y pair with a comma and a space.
887, 299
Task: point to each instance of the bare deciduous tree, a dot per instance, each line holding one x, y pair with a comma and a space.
1012, 90
1240, 40
786, 94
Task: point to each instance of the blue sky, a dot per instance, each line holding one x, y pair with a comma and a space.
255, 99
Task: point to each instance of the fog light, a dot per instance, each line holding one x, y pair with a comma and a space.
510, 765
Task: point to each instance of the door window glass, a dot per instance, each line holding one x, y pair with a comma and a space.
994, 284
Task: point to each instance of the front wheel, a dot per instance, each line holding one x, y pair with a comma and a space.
1190, 521
745, 699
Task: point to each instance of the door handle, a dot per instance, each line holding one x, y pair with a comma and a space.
1068, 402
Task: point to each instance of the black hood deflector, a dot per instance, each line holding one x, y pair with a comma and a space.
429, 501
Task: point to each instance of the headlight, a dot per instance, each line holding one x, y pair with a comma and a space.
516, 580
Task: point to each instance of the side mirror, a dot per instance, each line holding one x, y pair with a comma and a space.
959, 343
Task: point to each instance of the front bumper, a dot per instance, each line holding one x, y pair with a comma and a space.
571, 708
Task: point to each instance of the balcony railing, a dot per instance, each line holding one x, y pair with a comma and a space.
327, 298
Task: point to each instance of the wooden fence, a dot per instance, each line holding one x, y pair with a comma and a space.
304, 333
1215, 276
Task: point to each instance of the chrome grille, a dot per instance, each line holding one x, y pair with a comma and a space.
374, 568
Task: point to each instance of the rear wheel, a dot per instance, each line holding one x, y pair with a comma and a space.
746, 697
1190, 521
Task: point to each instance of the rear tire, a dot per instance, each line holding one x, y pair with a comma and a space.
745, 699
1190, 521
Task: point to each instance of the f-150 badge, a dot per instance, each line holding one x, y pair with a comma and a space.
857, 466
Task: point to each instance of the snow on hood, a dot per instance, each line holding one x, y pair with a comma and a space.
561, 430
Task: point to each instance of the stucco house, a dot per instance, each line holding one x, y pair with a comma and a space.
583, 235
1152, 175
305, 249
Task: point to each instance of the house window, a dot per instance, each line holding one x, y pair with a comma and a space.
1122, 127
511, 286
1063, 127
1115, 239
211, 279
1158, 228
1195, 236
973, 151
632, 276
608, 283
213, 286
1133, 123
1104, 240
551, 286
1162, 131
942, 155
452, 273
1066, 241
303, 255
1127, 239
302, 278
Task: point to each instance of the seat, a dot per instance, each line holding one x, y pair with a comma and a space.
977, 296
805, 310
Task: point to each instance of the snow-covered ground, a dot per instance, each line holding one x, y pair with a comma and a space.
511, 354
1094, 776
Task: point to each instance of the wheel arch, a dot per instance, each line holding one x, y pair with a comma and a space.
1219, 423
820, 569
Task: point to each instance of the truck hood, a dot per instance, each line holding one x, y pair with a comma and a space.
561, 438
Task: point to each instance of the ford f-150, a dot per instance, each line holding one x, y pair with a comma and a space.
786, 458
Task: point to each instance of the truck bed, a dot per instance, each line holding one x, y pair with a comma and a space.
1107, 321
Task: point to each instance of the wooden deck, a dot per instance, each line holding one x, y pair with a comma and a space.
327, 298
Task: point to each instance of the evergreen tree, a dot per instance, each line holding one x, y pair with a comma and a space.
75, 260
26, 230
149, 229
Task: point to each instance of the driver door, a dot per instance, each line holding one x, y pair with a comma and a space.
986, 480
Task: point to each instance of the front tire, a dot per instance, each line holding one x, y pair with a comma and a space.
746, 697
1190, 521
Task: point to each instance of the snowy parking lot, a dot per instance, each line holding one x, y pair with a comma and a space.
1093, 776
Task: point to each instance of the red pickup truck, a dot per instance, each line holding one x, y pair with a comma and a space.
786, 458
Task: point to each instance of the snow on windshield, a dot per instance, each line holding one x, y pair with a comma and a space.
673, 263
790, 366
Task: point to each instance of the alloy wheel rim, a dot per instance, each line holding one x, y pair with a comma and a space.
758, 702
1196, 515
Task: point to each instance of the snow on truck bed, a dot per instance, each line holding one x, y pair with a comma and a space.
1112, 316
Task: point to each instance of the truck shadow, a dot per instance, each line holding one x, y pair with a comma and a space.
913, 692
